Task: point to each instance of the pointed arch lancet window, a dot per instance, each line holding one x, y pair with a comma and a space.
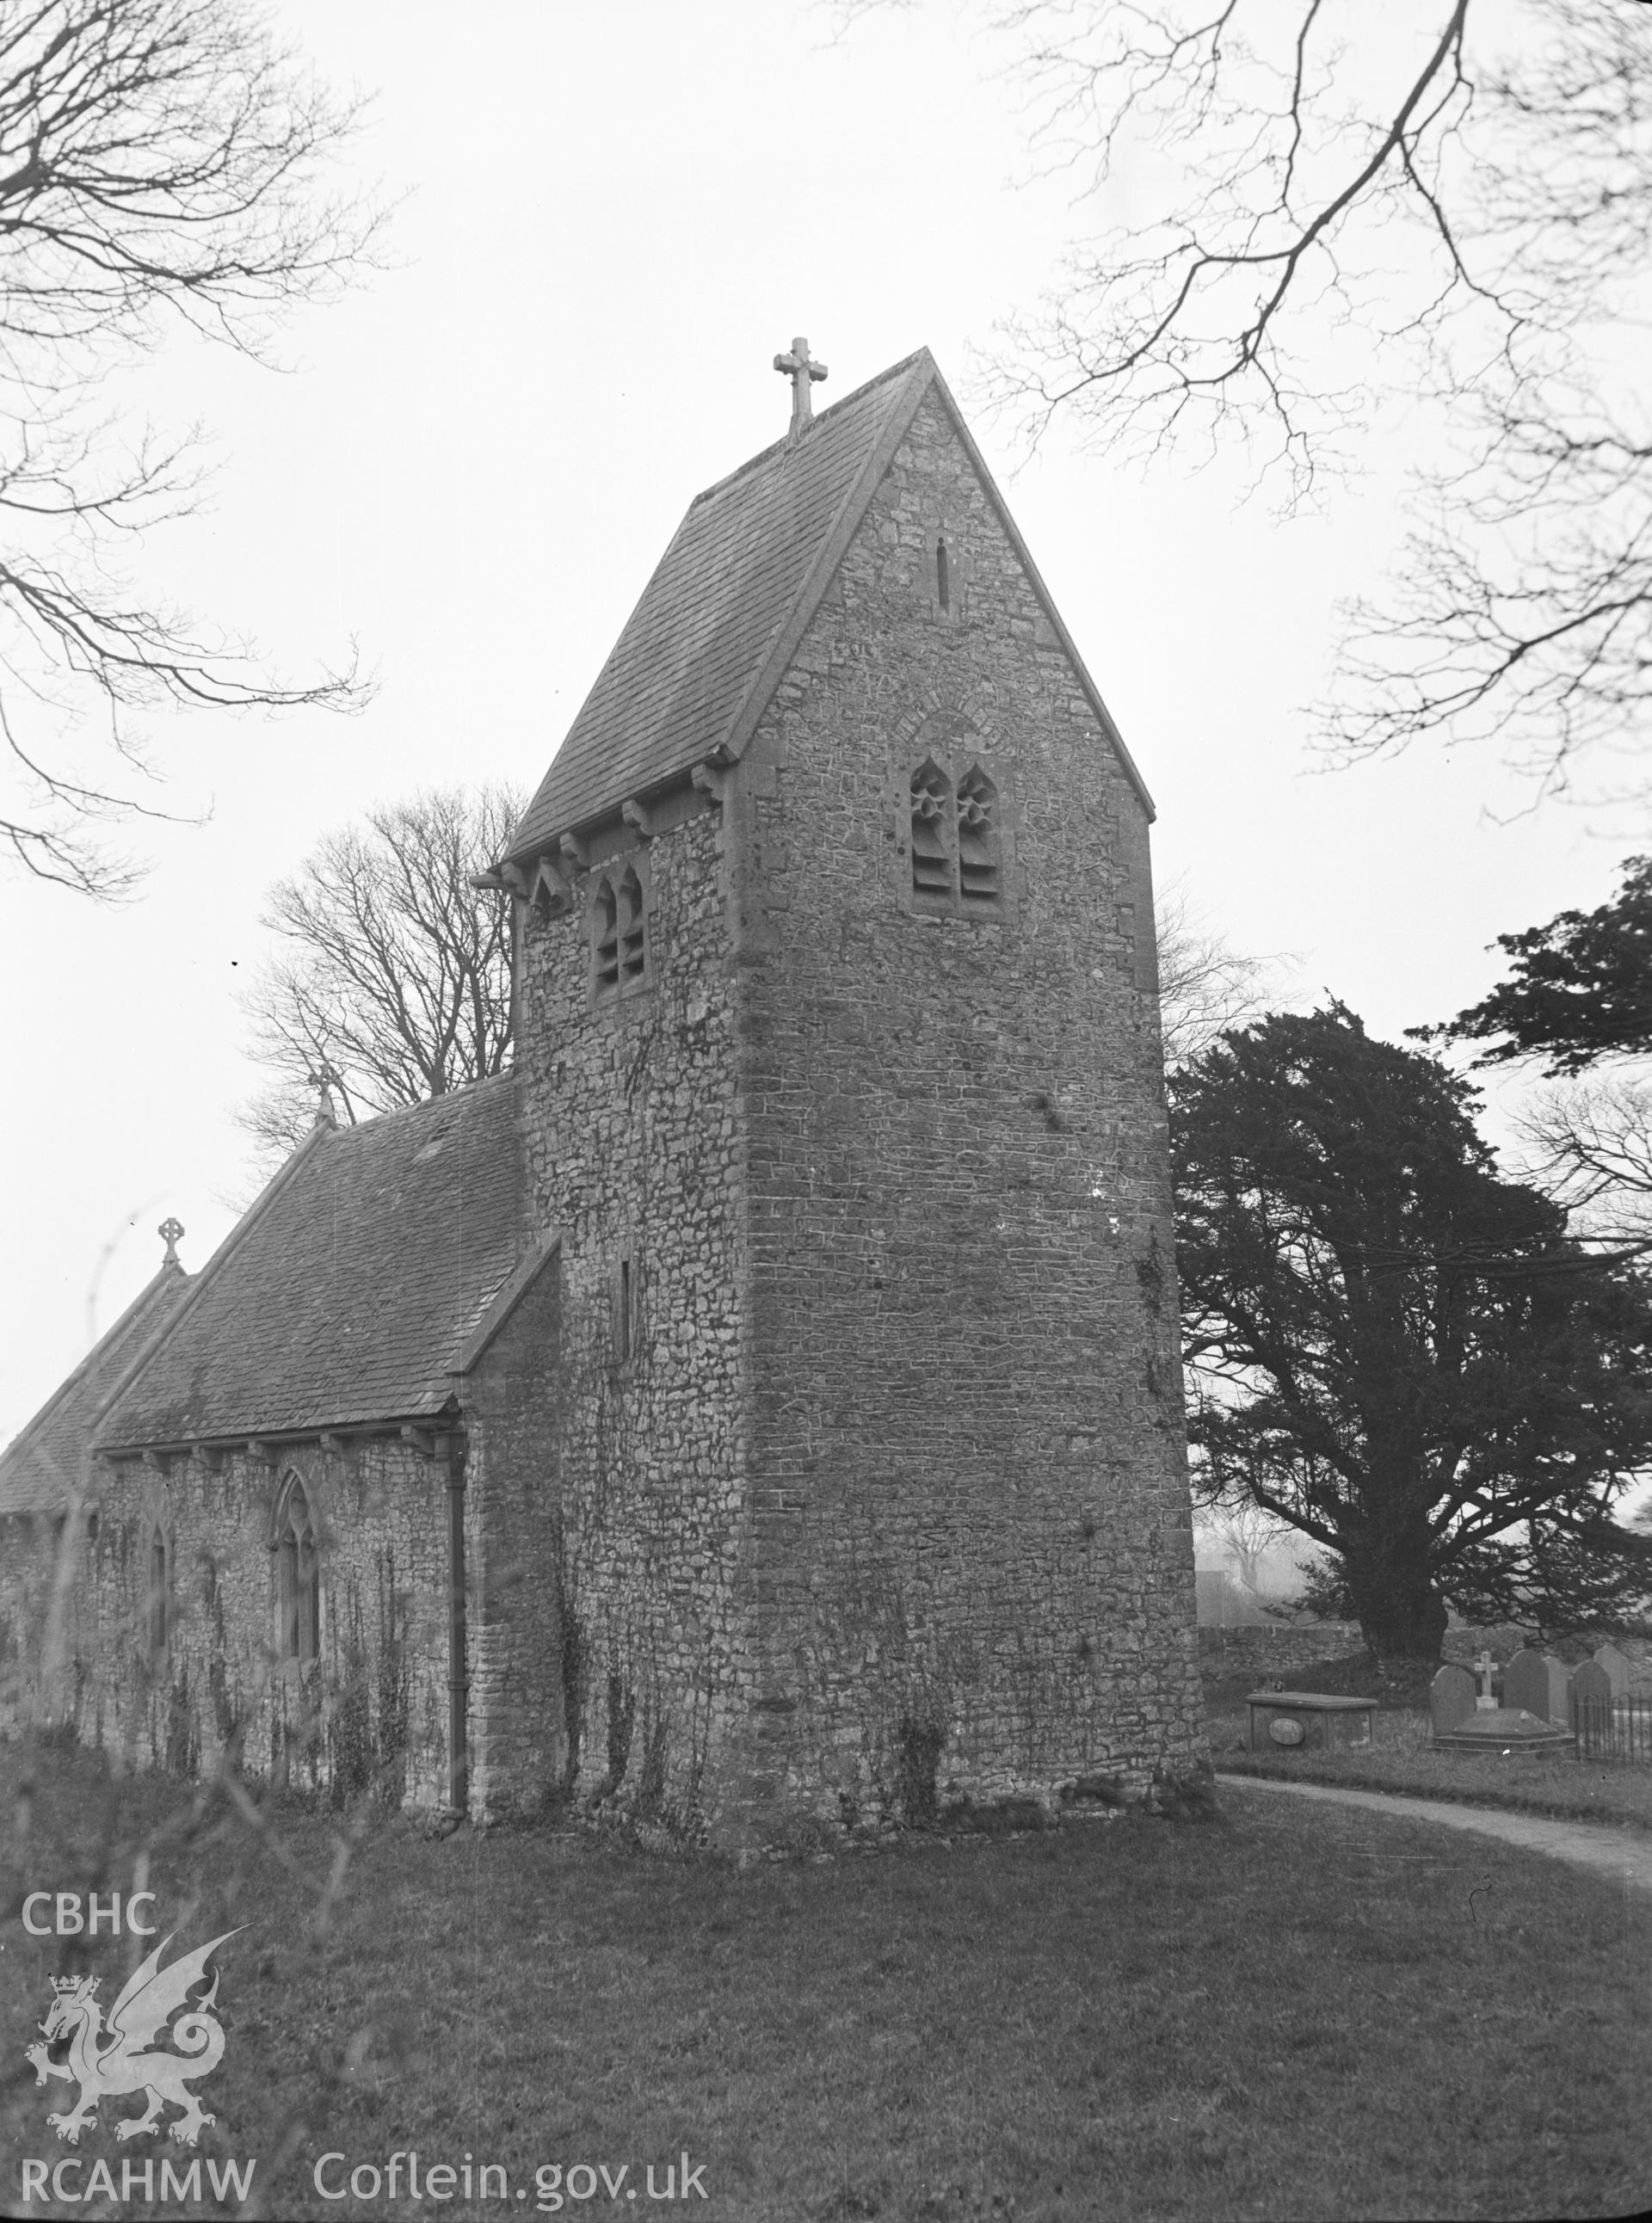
157, 1595
633, 953
605, 937
298, 1575
932, 871
619, 931
978, 838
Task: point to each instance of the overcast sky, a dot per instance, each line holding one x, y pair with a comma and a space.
613, 217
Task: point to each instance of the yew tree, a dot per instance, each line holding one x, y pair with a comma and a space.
1580, 988
1396, 1351
1579, 997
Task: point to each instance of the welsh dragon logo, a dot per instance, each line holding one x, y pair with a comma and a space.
107, 2060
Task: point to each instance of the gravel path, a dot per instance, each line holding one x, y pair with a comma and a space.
1623, 1853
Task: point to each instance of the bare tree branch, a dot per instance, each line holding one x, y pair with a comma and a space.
1333, 206
162, 163
1205, 985
399, 978
1590, 1144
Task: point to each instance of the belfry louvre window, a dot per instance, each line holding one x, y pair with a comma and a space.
932, 867
298, 1575
956, 842
618, 933
978, 843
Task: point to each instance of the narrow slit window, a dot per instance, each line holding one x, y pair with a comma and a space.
627, 1289
931, 856
943, 582
978, 841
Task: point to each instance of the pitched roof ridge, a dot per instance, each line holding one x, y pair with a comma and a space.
87, 1363
922, 372
210, 1272
425, 1104
787, 446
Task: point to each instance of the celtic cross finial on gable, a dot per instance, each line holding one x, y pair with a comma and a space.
326, 1080
798, 368
171, 1232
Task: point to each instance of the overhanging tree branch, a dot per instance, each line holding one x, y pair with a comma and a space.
161, 163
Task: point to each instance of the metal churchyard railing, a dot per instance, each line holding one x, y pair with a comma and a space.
1608, 1727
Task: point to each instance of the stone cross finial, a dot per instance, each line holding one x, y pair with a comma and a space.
1486, 1703
802, 372
171, 1232
325, 1114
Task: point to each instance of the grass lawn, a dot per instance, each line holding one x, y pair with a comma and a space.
1300, 2014
1400, 1759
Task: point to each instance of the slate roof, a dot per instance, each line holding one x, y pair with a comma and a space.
41, 1464
718, 623
349, 1289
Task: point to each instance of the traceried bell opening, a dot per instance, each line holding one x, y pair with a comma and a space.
978, 842
633, 948
605, 921
932, 850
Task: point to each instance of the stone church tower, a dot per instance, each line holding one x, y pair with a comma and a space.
758, 1414
841, 1086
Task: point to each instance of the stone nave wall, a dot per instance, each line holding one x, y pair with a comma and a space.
372, 1706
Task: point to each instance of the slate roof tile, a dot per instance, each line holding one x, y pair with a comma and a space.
41, 1465
349, 1290
697, 641
702, 650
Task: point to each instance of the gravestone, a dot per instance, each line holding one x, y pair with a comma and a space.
1525, 1682
1450, 1698
1615, 1664
1560, 1690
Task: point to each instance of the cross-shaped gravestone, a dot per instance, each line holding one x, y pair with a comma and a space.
1486, 1703
803, 373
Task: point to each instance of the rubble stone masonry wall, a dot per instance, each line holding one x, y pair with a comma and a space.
972, 1572
632, 1154
372, 1706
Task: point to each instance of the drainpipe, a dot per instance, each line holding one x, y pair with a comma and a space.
458, 1685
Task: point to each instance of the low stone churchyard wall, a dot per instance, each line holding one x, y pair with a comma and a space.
1278, 1650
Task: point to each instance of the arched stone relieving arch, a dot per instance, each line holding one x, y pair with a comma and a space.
296, 1538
